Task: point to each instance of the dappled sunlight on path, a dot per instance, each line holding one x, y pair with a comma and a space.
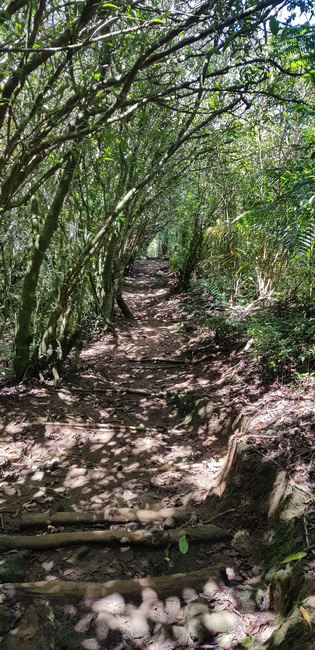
135, 442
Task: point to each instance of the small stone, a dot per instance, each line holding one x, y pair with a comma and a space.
195, 608
84, 623
82, 552
173, 609
70, 610
197, 629
182, 636
90, 644
219, 622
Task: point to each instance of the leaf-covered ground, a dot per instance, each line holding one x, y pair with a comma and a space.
153, 420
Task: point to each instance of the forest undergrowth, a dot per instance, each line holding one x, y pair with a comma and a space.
160, 497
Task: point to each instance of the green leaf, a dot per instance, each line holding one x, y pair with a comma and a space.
229, 39
274, 25
183, 544
248, 641
4, 15
294, 557
227, 638
49, 612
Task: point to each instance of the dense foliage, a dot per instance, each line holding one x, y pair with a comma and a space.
192, 122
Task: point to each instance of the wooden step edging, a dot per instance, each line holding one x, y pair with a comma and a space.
114, 515
145, 589
156, 538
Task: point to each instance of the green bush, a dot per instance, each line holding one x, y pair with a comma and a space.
284, 341
228, 331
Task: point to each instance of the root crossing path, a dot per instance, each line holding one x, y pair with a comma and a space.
105, 484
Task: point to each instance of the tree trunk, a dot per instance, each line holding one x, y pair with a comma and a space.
193, 255
121, 302
108, 279
24, 336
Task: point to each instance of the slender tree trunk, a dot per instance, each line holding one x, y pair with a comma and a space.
24, 335
121, 302
193, 255
108, 278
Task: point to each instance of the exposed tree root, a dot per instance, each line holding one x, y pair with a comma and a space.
40, 519
218, 482
209, 533
141, 588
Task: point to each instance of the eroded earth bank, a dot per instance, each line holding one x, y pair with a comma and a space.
149, 501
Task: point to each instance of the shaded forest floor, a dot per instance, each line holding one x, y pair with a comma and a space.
163, 418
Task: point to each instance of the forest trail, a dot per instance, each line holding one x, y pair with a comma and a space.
143, 424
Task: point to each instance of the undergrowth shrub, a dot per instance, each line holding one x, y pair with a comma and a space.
204, 296
284, 342
228, 331
207, 293
282, 336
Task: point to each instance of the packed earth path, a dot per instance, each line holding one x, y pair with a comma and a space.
118, 526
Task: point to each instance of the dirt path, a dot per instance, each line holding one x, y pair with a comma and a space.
143, 424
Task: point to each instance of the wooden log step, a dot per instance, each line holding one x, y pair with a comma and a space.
95, 425
42, 519
158, 360
116, 389
201, 533
206, 580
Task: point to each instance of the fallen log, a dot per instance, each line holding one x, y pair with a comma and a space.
170, 362
201, 533
206, 579
95, 425
114, 389
117, 515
